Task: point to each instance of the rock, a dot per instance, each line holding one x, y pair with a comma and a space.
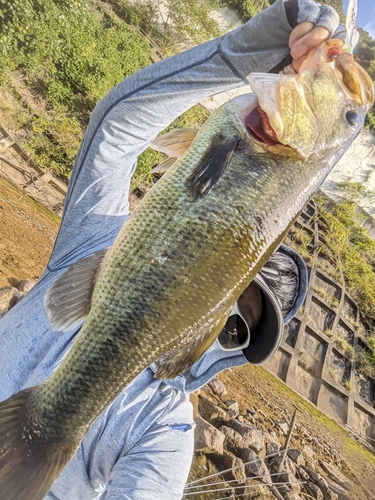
271, 438
296, 456
288, 465
26, 285
302, 474
194, 400
290, 481
226, 461
232, 405
212, 413
291, 466
253, 493
9, 296
208, 439
272, 448
335, 474
321, 483
232, 413
314, 490
233, 409
262, 413
340, 492
250, 419
217, 387
253, 437
233, 438
254, 465
308, 452
283, 426
203, 467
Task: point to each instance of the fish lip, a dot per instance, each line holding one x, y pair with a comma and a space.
256, 124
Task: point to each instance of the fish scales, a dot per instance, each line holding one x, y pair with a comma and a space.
166, 287
230, 231
218, 236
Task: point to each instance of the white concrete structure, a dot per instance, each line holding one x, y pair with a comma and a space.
357, 165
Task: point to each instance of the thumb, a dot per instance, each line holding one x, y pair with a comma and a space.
305, 37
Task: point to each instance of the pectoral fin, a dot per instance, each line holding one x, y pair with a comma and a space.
68, 301
212, 165
175, 142
164, 165
172, 363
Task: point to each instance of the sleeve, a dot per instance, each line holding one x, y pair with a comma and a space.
135, 111
157, 466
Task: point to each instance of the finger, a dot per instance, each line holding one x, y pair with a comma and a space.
300, 31
296, 63
307, 42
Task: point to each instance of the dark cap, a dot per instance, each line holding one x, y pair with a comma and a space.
266, 338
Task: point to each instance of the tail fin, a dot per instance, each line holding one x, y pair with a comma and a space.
29, 463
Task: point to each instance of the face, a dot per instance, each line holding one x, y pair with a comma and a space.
250, 305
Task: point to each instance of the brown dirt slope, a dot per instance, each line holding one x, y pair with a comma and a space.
27, 233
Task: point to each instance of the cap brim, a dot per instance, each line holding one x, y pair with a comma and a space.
266, 338
303, 277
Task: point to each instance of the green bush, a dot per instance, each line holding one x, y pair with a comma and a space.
178, 25
247, 9
72, 56
353, 251
68, 52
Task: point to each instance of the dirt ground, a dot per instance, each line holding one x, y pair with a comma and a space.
27, 233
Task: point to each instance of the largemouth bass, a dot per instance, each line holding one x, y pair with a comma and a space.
164, 290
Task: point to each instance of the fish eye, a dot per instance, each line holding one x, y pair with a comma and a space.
352, 117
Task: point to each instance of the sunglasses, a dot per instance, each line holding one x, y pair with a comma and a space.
236, 332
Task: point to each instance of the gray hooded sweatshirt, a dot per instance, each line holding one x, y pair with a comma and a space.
141, 447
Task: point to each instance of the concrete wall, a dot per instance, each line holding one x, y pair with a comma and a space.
314, 358
357, 165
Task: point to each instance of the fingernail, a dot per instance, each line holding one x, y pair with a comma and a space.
299, 51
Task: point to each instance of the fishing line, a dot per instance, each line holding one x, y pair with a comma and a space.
232, 468
234, 480
246, 486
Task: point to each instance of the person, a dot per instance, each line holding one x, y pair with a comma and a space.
141, 447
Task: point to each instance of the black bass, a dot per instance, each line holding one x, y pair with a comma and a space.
164, 290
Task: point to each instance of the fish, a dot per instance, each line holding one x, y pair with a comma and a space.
162, 293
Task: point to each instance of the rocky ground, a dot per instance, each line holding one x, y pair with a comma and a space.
242, 418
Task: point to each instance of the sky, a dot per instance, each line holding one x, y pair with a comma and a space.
365, 16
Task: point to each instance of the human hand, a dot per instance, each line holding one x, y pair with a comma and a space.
313, 25
304, 38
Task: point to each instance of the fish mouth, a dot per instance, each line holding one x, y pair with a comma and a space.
259, 127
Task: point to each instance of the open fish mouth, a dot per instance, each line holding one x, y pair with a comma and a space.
259, 127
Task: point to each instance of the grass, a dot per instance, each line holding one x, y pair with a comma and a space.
348, 385
334, 374
328, 297
36, 205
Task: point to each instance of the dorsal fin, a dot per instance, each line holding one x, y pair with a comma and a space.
172, 363
212, 165
68, 301
175, 142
